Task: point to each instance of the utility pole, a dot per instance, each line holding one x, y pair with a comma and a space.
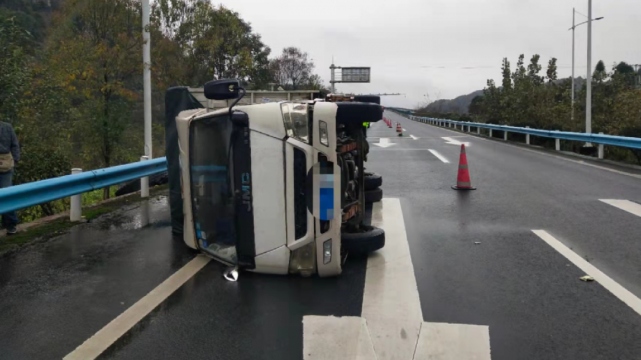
588, 100
588, 116
573, 27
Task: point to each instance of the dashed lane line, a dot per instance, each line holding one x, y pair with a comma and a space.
617, 290
629, 206
439, 156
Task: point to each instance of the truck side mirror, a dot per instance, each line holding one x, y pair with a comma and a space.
222, 89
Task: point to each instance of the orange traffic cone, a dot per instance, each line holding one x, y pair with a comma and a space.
399, 129
463, 181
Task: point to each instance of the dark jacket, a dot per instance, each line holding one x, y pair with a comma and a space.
9, 141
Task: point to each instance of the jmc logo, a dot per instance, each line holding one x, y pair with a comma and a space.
246, 191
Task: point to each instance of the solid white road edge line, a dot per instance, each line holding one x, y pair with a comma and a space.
629, 206
391, 323
617, 290
97, 344
439, 156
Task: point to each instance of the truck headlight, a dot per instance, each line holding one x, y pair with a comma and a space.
296, 121
322, 131
303, 260
327, 251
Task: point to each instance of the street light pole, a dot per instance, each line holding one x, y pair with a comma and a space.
588, 100
146, 58
588, 103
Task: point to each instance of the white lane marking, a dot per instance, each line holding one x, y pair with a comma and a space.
329, 337
391, 322
104, 338
617, 290
388, 137
391, 303
629, 206
397, 149
384, 143
404, 129
453, 342
413, 137
439, 156
449, 140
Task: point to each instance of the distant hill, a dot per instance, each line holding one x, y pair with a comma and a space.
456, 105
461, 104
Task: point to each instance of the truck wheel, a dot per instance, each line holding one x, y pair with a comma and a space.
367, 241
372, 181
372, 196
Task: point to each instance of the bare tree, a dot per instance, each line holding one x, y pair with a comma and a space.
292, 68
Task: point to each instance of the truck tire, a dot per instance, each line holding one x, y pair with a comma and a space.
373, 181
372, 196
370, 240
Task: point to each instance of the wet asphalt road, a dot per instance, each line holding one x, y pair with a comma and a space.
528, 294
56, 295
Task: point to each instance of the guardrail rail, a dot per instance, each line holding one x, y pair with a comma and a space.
601, 139
38, 192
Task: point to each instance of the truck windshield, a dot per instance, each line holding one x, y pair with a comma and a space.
212, 200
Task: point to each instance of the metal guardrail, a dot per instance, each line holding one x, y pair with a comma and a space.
623, 141
38, 192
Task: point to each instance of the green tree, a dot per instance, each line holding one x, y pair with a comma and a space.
15, 75
507, 81
623, 68
519, 73
476, 105
94, 55
551, 72
600, 74
533, 70
219, 44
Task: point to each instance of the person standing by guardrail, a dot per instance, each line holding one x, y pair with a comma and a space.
9, 157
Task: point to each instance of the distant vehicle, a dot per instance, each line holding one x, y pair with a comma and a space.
277, 188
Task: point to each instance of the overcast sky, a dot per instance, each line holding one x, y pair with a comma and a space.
443, 48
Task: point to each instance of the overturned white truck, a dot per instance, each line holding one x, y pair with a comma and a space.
277, 188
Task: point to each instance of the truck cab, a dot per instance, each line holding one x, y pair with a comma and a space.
271, 187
